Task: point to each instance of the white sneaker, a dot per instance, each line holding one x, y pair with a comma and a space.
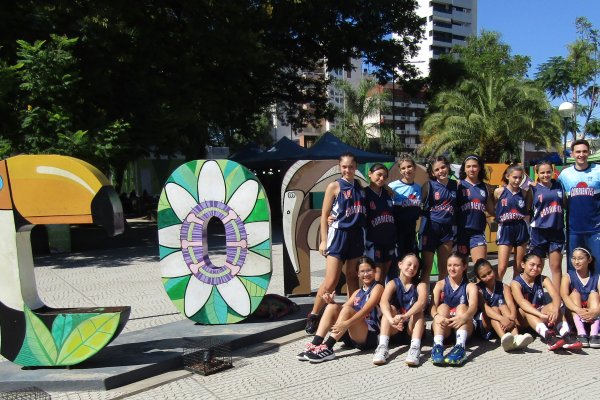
508, 341
412, 357
522, 341
381, 355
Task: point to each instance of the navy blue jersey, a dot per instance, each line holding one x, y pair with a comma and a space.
534, 293
407, 201
547, 206
349, 206
404, 299
510, 207
471, 200
441, 202
496, 298
361, 299
583, 193
455, 297
583, 290
380, 219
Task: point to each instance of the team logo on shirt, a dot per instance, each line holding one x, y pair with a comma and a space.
482, 192
582, 189
372, 205
559, 194
347, 194
521, 203
436, 195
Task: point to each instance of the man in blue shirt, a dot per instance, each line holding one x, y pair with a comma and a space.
581, 184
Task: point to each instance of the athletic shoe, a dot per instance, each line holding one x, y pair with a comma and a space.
412, 357
307, 349
312, 322
508, 342
585, 341
571, 342
595, 341
320, 353
381, 355
552, 341
457, 355
522, 341
437, 354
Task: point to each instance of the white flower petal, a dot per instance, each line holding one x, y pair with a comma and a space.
196, 295
211, 185
257, 232
235, 294
169, 236
244, 199
255, 265
173, 266
181, 200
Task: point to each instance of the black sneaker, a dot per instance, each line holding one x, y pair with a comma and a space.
595, 341
552, 341
320, 353
307, 349
312, 323
585, 341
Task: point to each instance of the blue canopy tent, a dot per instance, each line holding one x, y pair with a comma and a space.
329, 147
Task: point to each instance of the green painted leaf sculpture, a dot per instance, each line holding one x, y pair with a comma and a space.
39, 339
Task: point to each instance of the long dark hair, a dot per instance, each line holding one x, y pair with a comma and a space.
481, 176
433, 161
482, 262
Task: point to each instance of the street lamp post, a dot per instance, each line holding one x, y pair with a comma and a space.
566, 110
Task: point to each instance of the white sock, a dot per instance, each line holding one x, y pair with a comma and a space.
461, 337
438, 339
541, 329
384, 340
415, 343
563, 328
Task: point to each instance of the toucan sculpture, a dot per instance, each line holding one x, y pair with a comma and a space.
50, 189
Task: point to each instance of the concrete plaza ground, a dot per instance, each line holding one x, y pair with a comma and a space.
131, 276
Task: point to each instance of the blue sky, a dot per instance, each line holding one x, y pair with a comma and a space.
537, 28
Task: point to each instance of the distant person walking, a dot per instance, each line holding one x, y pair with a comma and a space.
581, 183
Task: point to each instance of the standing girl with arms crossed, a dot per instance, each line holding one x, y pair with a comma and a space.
380, 242
579, 290
547, 224
512, 215
402, 306
473, 201
343, 241
438, 225
407, 206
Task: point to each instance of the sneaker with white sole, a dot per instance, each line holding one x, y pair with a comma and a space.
522, 341
381, 355
320, 353
412, 357
595, 341
508, 342
308, 347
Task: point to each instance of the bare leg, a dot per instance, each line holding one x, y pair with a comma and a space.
478, 252
519, 254
555, 262
333, 268
443, 253
427, 265
351, 275
330, 315
503, 256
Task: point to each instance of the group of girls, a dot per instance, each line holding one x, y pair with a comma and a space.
374, 314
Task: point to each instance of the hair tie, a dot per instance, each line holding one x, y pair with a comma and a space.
472, 157
584, 250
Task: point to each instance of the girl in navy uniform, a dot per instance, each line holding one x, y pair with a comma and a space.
512, 215
380, 242
356, 322
579, 290
497, 309
438, 225
407, 206
535, 311
343, 241
402, 306
547, 224
454, 306
473, 201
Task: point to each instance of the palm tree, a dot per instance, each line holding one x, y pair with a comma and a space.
360, 114
492, 116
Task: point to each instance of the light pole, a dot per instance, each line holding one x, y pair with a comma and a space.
566, 110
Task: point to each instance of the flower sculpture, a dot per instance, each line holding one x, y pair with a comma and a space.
193, 195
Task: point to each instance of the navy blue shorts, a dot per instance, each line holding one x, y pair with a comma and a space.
379, 253
370, 342
433, 235
345, 244
545, 241
468, 239
513, 234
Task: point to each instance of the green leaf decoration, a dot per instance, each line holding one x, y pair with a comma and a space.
39, 339
89, 337
61, 327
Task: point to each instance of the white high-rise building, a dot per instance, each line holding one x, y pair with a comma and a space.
448, 23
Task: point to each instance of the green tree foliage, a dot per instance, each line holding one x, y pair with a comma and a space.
575, 78
359, 122
490, 115
161, 77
